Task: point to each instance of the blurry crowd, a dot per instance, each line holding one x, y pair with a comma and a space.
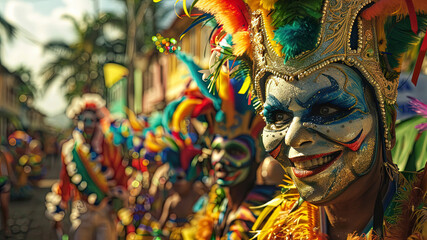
22, 166
166, 176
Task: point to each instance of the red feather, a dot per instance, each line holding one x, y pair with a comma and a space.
232, 14
393, 7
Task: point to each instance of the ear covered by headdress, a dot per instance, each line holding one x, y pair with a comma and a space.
291, 39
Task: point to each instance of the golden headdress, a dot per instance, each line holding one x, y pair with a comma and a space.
291, 39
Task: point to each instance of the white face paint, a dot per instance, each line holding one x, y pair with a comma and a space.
323, 129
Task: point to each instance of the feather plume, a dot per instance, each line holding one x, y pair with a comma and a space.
253, 4
278, 221
297, 24
226, 93
242, 44
269, 29
200, 19
410, 145
393, 7
409, 195
268, 4
297, 37
400, 37
421, 109
418, 106
232, 14
169, 111
182, 111
287, 12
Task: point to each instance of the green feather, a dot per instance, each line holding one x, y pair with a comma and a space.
297, 25
287, 12
400, 37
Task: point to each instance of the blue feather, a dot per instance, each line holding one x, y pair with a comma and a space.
202, 18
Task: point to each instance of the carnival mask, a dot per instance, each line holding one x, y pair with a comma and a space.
322, 128
232, 159
87, 122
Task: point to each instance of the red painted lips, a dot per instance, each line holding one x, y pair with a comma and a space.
307, 166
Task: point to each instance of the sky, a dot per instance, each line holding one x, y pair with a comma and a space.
39, 22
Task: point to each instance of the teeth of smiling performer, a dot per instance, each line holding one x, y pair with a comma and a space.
314, 163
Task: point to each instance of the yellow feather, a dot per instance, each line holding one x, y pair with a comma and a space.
224, 89
253, 4
268, 4
382, 40
245, 86
242, 43
283, 224
182, 111
270, 31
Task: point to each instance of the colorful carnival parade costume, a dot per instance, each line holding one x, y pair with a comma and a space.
324, 75
24, 161
236, 150
128, 135
7, 178
183, 152
92, 174
144, 140
180, 154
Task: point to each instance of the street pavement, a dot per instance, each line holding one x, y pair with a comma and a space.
27, 217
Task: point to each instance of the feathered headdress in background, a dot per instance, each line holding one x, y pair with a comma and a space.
230, 111
88, 101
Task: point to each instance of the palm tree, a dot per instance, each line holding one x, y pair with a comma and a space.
26, 85
6, 29
140, 27
79, 65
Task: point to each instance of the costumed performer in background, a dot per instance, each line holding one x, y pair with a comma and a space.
7, 178
92, 175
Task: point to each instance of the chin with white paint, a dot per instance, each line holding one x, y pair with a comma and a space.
323, 129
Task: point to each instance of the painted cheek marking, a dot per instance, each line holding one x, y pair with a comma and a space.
276, 151
355, 144
232, 178
349, 135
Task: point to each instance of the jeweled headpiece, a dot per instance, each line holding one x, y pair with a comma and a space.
291, 39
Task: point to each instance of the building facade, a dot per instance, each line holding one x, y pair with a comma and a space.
9, 103
161, 78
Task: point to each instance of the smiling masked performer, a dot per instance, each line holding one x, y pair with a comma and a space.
326, 77
92, 174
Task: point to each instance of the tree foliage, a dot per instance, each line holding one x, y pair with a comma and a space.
78, 65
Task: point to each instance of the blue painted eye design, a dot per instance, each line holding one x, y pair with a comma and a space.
278, 119
325, 110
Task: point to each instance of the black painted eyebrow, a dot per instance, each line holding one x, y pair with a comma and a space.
322, 93
272, 101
